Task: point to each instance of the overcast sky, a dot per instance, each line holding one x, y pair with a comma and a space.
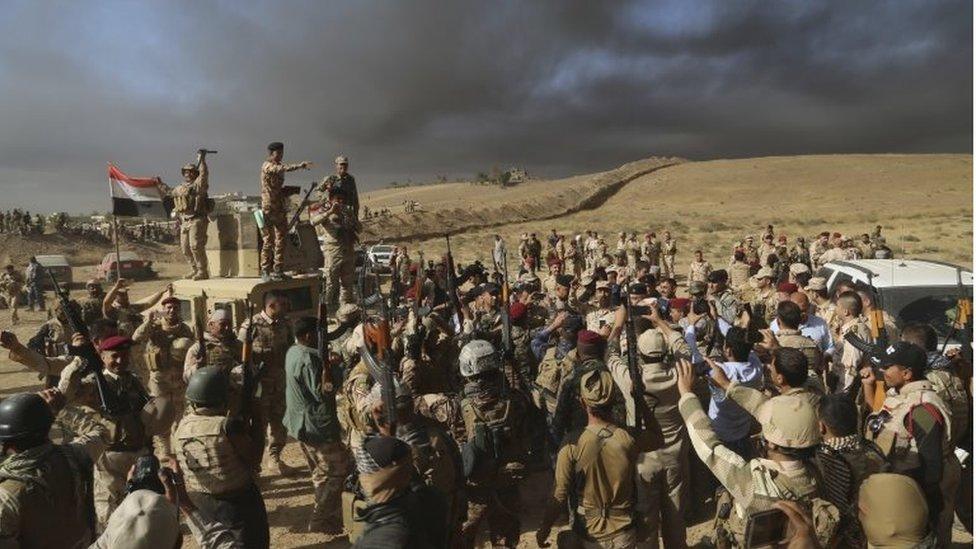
413, 90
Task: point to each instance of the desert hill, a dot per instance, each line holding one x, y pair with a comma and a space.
924, 203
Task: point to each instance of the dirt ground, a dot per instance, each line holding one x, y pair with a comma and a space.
923, 201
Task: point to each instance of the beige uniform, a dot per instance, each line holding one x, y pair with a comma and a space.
12, 283
661, 488
165, 372
698, 271
339, 237
793, 339
605, 457
738, 275
272, 338
849, 363
669, 249
190, 204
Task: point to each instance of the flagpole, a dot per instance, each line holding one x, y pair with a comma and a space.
118, 255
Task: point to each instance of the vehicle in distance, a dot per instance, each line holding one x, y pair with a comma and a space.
381, 256
58, 265
132, 267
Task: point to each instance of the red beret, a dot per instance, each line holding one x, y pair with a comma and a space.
787, 287
530, 261
516, 311
170, 299
115, 343
588, 337
413, 268
554, 262
679, 303
782, 238
836, 235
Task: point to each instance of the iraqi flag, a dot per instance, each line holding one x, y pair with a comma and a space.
137, 196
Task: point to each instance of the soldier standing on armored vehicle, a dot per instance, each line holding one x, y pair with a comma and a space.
337, 216
191, 205
274, 208
342, 181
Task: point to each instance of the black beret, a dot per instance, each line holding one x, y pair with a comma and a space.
276, 146
638, 289
564, 280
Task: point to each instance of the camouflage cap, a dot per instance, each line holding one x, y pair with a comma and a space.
765, 272
789, 421
188, 167
341, 160
596, 388
697, 288
798, 268
651, 344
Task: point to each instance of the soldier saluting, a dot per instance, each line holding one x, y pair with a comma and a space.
274, 209
190, 203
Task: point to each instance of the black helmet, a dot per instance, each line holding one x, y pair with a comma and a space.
208, 387
24, 415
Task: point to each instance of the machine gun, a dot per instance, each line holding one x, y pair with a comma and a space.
301, 207
508, 349
201, 352
109, 402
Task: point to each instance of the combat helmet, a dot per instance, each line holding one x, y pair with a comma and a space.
789, 421
208, 386
25, 415
477, 357
189, 168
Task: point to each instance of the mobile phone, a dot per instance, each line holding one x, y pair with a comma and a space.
640, 310
766, 529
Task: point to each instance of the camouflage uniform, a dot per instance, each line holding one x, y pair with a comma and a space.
698, 271
493, 484
224, 354
346, 184
165, 370
739, 273
91, 309
669, 248
340, 229
764, 304
272, 338
275, 211
190, 204
131, 432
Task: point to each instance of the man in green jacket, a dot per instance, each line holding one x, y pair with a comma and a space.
310, 418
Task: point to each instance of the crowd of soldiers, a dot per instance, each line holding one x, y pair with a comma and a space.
422, 405
21, 222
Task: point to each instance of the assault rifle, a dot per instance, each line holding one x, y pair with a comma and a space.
508, 350
201, 353
379, 358
451, 284
643, 415
322, 327
109, 402
252, 372
301, 207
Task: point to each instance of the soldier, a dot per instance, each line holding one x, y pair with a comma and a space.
893, 512
594, 475
939, 372
190, 204
32, 276
495, 448
602, 313
661, 489
699, 268
275, 209
91, 306
12, 284
766, 249
219, 455
913, 428
141, 418
340, 229
311, 419
845, 459
727, 307
788, 334
116, 306
342, 182
800, 253
818, 248
847, 359
272, 338
166, 340
764, 299
669, 249
738, 270
534, 249
43, 486
790, 437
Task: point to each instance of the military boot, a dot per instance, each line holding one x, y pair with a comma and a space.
190, 275
319, 522
201, 275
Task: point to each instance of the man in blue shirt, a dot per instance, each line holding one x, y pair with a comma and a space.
811, 325
730, 421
